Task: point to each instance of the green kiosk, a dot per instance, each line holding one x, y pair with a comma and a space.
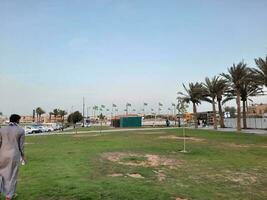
127, 121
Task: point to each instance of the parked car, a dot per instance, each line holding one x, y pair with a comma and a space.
31, 129
39, 127
51, 126
48, 129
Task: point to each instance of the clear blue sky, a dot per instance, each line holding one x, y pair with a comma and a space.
54, 52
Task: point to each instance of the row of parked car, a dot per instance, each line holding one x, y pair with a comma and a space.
42, 128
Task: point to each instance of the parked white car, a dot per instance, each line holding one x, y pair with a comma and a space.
41, 128
31, 129
48, 129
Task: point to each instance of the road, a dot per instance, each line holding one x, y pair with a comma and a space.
249, 131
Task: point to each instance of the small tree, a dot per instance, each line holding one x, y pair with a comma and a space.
101, 117
182, 109
75, 117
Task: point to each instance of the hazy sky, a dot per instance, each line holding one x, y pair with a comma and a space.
52, 53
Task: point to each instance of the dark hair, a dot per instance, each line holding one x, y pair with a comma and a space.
14, 118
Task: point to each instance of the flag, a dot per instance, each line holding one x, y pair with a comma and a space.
114, 105
102, 106
128, 104
173, 104
160, 104
145, 104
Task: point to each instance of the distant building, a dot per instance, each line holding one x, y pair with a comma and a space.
257, 110
43, 119
189, 117
3, 119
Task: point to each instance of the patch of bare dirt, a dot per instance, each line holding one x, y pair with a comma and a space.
115, 175
241, 178
160, 175
150, 133
135, 175
237, 145
174, 137
234, 145
87, 135
151, 160
178, 198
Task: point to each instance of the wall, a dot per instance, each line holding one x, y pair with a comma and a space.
259, 123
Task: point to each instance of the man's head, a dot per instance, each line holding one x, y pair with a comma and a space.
14, 118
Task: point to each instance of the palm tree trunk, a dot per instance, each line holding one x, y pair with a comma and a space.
221, 114
238, 128
244, 115
214, 115
195, 115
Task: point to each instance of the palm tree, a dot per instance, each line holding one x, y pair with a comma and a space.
249, 88
56, 113
237, 75
194, 94
39, 111
213, 88
222, 88
262, 70
50, 115
62, 113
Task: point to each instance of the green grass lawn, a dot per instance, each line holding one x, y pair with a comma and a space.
145, 165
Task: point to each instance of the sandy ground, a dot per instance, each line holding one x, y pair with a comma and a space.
151, 160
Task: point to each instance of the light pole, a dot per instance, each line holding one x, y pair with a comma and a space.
160, 105
83, 111
88, 111
145, 104
174, 113
127, 105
